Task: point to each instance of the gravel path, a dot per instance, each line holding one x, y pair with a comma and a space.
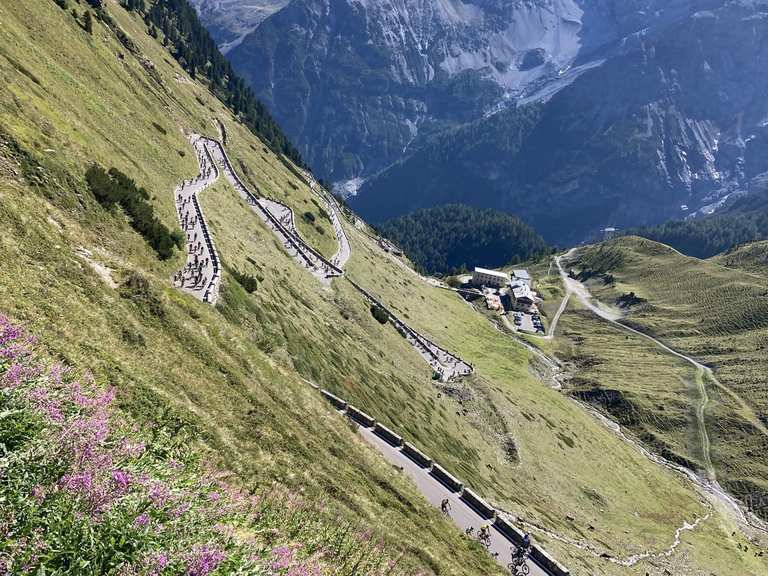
709, 484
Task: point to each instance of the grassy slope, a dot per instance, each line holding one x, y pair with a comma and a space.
748, 258
563, 469
717, 315
642, 387
232, 373
255, 415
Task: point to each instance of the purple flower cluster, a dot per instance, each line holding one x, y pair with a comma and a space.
203, 560
181, 520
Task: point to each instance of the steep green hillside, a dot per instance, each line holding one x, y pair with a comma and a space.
87, 490
448, 238
71, 98
715, 314
233, 377
752, 257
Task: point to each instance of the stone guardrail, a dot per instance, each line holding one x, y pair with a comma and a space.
480, 506
211, 289
417, 455
425, 344
210, 294
360, 417
447, 479
547, 562
387, 434
509, 530
298, 243
335, 400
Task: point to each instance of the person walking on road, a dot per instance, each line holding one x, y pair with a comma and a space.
445, 507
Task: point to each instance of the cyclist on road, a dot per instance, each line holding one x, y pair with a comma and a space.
484, 535
519, 553
445, 507
526, 542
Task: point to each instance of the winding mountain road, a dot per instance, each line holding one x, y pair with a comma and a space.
710, 484
447, 365
201, 275
277, 217
344, 251
202, 271
461, 513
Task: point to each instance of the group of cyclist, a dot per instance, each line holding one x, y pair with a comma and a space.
519, 553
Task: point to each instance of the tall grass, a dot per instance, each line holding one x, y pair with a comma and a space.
86, 491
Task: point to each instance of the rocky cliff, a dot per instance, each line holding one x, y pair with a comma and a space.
229, 21
649, 109
357, 82
669, 127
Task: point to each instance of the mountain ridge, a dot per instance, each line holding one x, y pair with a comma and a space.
658, 122
441, 62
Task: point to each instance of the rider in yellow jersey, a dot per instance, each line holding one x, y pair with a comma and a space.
485, 532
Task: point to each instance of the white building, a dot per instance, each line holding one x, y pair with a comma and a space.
490, 278
523, 299
522, 277
609, 233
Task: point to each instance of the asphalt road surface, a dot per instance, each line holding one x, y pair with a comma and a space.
200, 274
435, 492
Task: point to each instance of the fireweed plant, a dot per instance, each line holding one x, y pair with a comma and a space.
82, 491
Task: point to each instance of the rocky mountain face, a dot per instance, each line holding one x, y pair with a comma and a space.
644, 109
668, 128
229, 21
357, 82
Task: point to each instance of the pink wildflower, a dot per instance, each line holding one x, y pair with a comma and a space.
159, 494
203, 560
283, 557
121, 481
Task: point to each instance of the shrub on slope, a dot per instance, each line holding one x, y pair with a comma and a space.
84, 491
115, 188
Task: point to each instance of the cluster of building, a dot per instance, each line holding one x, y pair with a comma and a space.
517, 287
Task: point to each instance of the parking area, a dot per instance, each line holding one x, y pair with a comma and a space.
526, 322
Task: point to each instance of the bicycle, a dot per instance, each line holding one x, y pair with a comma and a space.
519, 565
484, 538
